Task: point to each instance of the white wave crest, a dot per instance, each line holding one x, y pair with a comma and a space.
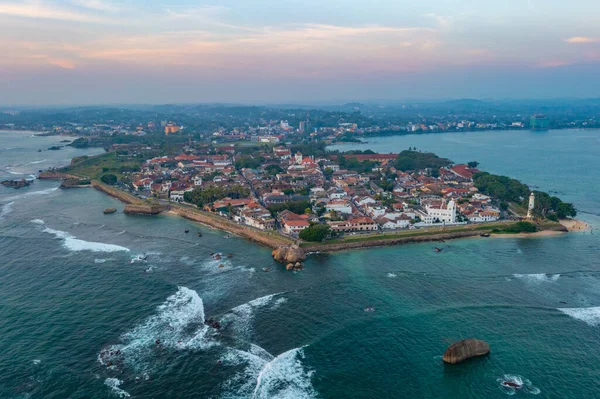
100, 261
114, 384
241, 316
392, 275
538, 278
32, 194
590, 316
285, 377
178, 324
36, 162
265, 376
6, 209
74, 244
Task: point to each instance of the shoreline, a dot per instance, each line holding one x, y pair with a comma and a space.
273, 240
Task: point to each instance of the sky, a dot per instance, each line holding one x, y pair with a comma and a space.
69, 52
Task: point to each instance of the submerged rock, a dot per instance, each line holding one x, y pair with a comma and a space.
110, 210
291, 254
465, 349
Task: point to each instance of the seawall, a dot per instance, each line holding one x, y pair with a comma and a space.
270, 239
52, 175
116, 193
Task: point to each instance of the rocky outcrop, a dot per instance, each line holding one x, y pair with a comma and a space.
465, 349
16, 183
110, 210
143, 209
289, 254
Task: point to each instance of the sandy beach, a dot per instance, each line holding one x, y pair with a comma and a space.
575, 225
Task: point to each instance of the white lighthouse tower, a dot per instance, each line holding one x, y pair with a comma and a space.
531, 206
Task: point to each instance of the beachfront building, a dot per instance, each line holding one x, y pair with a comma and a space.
360, 223
293, 223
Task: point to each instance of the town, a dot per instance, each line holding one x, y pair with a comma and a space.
315, 197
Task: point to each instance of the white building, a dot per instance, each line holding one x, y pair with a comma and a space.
446, 213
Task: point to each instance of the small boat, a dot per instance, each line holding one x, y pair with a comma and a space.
436, 249
186, 231
485, 235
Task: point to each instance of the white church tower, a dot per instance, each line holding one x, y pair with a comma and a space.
531, 206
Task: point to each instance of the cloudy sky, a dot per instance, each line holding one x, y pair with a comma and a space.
259, 51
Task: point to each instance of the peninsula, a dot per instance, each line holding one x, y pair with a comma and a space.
303, 197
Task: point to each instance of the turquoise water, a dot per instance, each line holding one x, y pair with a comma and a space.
77, 285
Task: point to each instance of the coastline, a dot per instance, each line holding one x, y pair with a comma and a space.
274, 240
576, 225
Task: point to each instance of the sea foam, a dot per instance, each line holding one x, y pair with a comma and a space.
178, 324
6, 209
241, 316
74, 244
31, 194
266, 376
538, 278
114, 384
590, 316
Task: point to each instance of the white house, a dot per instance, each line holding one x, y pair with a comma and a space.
340, 206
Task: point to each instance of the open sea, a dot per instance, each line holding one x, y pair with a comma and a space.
109, 306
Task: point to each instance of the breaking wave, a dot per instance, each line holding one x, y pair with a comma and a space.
538, 278
6, 209
241, 316
36, 162
31, 194
114, 384
590, 316
266, 376
178, 324
74, 244
392, 275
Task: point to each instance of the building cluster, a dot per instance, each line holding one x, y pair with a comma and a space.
290, 191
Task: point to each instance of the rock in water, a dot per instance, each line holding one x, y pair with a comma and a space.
465, 349
290, 266
291, 254
110, 210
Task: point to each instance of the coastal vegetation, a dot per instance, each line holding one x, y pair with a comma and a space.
416, 160
298, 207
315, 232
509, 190
210, 194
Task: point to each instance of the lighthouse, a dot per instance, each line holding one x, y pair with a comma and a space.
531, 206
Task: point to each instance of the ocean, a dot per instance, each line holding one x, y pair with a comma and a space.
107, 306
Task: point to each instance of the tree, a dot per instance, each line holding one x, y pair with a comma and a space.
565, 210
473, 164
315, 232
109, 178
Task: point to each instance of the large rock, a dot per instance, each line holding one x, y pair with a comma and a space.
465, 349
291, 254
